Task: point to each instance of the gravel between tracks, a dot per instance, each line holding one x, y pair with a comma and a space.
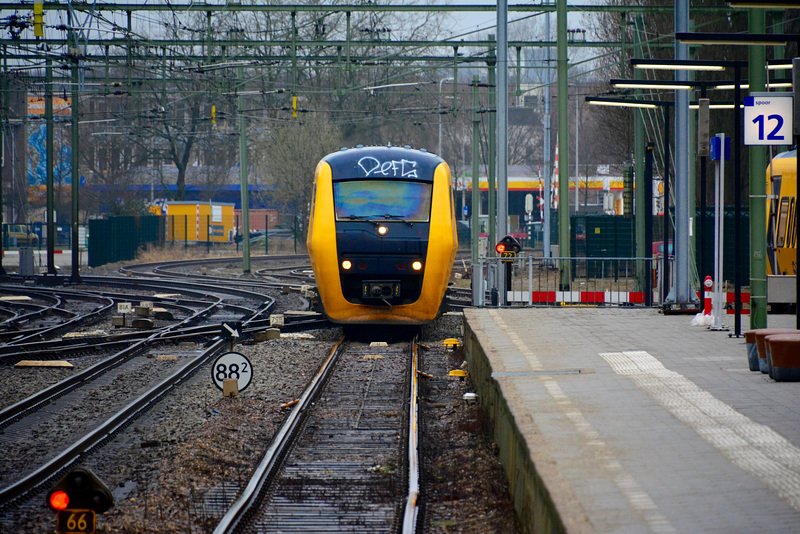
178, 467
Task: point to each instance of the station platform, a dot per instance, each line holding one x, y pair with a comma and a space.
627, 420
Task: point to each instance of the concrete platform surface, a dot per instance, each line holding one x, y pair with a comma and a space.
636, 422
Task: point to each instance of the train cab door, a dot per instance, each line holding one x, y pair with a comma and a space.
772, 224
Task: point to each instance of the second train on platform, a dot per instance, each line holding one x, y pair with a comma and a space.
781, 219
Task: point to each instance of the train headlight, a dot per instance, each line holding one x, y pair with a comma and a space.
346, 265
417, 265
382, 230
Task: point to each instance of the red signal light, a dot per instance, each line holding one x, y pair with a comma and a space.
80, 489
508, 247
59, 500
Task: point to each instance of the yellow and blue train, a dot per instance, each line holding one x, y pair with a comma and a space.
781, 220
382, 235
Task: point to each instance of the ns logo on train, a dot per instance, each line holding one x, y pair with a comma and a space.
382, 235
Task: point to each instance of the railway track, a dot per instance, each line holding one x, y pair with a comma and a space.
38, 313
190, 342
55, 457
295, 270
349, 485
346, 459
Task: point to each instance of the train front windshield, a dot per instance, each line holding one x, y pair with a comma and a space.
382, 199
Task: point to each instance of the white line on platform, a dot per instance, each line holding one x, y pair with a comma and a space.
753, 447
636, 496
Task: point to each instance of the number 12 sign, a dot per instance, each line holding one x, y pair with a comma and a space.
768, 119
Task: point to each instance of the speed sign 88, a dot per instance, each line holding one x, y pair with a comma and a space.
232, 365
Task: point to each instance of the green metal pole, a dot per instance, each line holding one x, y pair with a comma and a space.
623, 44
339, 71
48, 116
128, 50
694, 222
492, 163
164, 65
76, 174
518, 91
294, 65
347, 46
455, 81
475, 220
563, 141
209, 34
4, 87
758, 186
641, 203
243, 174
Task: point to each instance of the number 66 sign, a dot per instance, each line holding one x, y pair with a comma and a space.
232, 365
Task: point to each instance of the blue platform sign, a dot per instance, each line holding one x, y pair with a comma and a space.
716, 150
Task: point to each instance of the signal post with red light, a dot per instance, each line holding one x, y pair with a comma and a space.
507, 248
78, 498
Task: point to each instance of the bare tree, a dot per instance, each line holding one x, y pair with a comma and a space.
288, 156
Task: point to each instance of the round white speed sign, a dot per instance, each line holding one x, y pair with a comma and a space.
232, 365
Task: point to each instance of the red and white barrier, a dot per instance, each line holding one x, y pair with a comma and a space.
617, 298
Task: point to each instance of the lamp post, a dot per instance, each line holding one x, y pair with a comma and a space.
577, 154
650, 104
677, 65
677, 86
785, 4
758, 289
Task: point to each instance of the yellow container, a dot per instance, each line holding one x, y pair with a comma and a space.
199, 222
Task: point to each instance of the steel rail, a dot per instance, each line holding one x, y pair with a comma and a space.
73, 318
69, 324
136, 268
13, 412
22, 345
245, 507
186, 287
163, 270
411, 509
110, 428
242, 507
98, 343
107, 430
36, 310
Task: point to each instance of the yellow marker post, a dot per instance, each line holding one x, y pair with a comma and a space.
451, 343
38, 18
